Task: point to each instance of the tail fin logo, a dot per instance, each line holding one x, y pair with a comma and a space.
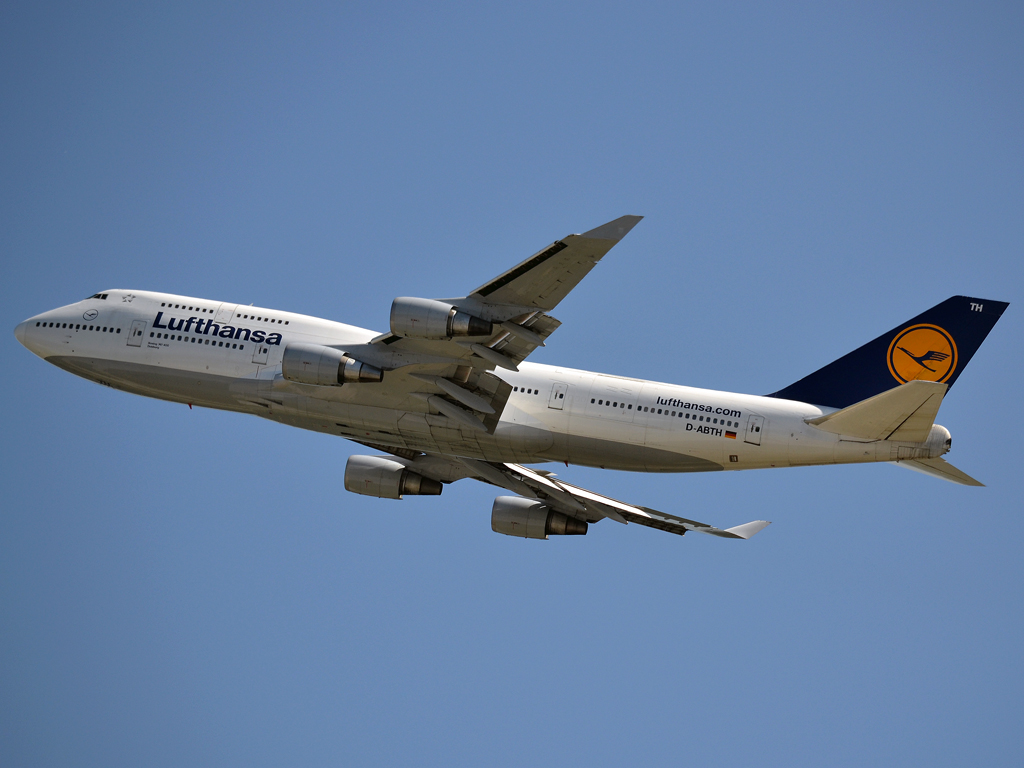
922, 353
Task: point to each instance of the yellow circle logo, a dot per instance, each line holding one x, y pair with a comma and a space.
922, 353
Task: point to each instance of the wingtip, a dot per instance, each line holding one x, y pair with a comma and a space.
614, 230
747, 530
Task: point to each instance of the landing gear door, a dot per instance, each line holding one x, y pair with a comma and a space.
754, 426
136, 333
260, 355
558, 393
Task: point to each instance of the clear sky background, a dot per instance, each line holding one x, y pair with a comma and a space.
196, 588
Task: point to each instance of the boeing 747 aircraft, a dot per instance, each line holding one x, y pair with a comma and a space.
446, 394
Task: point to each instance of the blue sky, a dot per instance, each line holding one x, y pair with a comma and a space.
194, 587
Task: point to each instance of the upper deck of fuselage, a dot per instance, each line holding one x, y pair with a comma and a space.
114, 310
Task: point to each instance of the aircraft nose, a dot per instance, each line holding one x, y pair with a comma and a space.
20, 331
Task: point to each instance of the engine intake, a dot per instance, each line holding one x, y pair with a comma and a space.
386, 479
429, 319
325, 366
532, 519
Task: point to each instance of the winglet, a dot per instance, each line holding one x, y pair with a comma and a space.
613, 230
747, 530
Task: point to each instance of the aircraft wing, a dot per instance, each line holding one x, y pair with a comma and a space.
517, 302
546, 278
452, 376
564, 497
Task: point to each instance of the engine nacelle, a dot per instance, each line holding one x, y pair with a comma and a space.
386, 479
532, 519
325, 366
428, 319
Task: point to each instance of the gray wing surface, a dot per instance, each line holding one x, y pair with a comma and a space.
544, 279
452, 377
564, 497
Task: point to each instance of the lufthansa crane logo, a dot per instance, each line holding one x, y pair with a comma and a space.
90, 314
922, 353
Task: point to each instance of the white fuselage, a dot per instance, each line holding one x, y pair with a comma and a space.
229, 357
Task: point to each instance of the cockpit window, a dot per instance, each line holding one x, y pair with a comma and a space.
97, 296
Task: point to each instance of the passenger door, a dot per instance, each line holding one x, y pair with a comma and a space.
136, 333
557, 398
754, 426
260, 355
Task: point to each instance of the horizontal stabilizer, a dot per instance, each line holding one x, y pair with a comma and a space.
940, 468
906, 412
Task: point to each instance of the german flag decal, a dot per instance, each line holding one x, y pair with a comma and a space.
731, 435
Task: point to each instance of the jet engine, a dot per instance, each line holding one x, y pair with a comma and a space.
429, 319
386, 479
325, 366
532, 519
